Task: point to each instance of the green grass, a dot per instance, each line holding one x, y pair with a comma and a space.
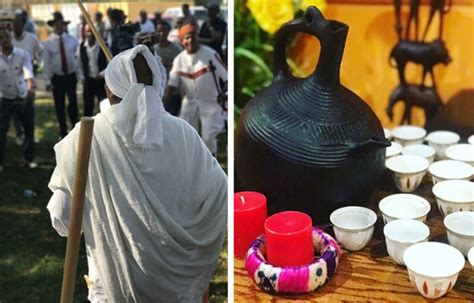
31, 252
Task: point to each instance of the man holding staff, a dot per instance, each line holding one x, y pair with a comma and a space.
192, 72
155, 213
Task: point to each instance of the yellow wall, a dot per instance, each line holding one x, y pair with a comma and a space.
365, 68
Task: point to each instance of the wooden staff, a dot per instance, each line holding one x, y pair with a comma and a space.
98, 37
78, 196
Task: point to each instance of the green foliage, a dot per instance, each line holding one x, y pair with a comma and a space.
253, 50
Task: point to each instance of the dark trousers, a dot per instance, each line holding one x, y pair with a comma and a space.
92, 88
63, 85
24, 109
16, 119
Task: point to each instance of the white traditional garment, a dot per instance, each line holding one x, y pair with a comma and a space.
155, 214
193, 74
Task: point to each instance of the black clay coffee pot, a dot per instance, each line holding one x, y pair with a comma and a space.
310, 144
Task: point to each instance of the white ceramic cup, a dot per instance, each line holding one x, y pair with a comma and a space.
470, 257
404, 206
461, 152
387, 133
421, 150
440, 140
393, 150
470, 140
408, 134
401, 234
407, 171
353, 226
450, 170
460, 230
454, 195
433, 267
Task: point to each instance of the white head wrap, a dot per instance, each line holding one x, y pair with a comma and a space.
137, 119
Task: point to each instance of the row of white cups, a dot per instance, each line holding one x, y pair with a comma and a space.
433, 267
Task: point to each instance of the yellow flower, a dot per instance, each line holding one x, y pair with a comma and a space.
270, 14
320, 4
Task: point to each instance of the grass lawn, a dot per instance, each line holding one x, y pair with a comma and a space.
31, 252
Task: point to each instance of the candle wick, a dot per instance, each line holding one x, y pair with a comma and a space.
242, 199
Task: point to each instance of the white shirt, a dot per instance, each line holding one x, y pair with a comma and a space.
93, 58
147, 27
31, 44
14, 70
52, 56
192, 73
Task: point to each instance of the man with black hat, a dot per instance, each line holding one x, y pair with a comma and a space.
60, 67
213, 30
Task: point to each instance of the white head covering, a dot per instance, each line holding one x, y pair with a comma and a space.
137, 118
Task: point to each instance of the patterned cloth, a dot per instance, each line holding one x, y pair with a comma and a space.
294, 279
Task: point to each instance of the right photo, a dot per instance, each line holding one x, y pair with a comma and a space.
353, 150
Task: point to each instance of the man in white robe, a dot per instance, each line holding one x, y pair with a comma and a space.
155, 212
192, 72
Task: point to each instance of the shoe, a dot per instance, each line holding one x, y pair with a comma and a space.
32, 164
19, 140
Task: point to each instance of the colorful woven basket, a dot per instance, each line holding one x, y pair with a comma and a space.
294, 279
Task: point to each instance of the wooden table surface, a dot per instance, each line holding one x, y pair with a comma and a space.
369, 274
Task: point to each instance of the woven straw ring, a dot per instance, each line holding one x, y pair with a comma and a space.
294, 279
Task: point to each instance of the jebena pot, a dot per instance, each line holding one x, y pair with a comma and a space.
310, 144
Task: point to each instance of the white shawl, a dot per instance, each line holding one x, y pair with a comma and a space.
140, 104
154, 220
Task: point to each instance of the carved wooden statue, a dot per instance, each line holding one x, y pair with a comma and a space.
398, 19
426, 54
424, 97
441, 7
414, 9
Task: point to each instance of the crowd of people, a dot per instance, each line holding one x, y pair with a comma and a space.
192, 55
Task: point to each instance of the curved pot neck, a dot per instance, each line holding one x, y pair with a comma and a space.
333, 40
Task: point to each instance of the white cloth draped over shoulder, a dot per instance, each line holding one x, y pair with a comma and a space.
154, 219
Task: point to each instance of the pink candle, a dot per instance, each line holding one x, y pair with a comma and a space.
288, 238
250, 212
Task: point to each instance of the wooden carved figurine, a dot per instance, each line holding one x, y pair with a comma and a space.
441, 7
398, 25
424, 97
414, 9
426, 54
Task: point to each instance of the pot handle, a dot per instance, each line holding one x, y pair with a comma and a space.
372, 144
312, 23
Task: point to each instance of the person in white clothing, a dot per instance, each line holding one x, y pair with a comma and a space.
30, 43
192, 71
146, 26
60, 68
16, 85
156, 200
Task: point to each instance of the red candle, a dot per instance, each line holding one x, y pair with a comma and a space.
250, 212
288, 238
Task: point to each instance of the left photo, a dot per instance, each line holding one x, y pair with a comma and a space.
113, 151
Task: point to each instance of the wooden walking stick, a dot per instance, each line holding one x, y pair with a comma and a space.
78, 196
98, 37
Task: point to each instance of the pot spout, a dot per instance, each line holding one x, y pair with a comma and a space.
371, 145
